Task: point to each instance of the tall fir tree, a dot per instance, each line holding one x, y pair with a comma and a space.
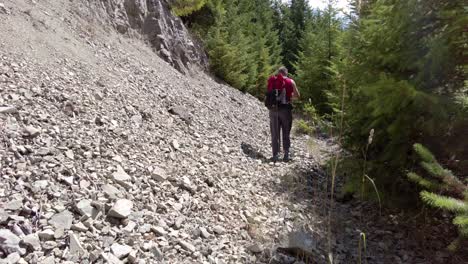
242, 43
319, 48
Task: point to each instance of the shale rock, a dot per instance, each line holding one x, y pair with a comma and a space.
121, 209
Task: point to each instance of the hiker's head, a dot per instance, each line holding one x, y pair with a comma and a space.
283, 71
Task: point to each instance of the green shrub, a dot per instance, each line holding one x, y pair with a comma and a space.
311, 112
303, 127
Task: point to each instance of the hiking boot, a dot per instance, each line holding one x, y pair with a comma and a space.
286, 157
274, 159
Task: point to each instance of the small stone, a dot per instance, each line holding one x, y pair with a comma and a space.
17, 230
175, 144
159, 174
75, 246
219, 230
31, 131
156, 252
80, 227
68, 180
187, 246
129, 227
121, 209
85, 208
94, 255
255, 248
49, 245
186, 184
111, 191
46, 234
137, 120
132, 256
111, 259
158, 230
204, 233
69, 153
9, 242
178, 223
3, 216
33, 241
62, 220
14, 205
59, 233
120, 251
121, 175
145, 228
122, 178
3, 9
40, 185
226, 149
48, 260
11, 258
43, 151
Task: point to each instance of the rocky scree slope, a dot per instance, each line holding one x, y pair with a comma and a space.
153, 21
108, 154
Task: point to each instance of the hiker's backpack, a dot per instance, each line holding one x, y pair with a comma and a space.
276, 93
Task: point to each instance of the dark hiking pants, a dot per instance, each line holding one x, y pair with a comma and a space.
280, 124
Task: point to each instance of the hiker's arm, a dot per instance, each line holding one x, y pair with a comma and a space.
296, 93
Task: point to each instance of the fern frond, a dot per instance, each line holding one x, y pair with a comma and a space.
424, 153
443, 202
428, 184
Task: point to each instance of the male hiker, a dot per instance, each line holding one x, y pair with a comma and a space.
281, 90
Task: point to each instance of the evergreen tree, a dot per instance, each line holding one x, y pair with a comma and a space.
242, 43
266, 47
186, 7
291, 24
393, 54
319, 48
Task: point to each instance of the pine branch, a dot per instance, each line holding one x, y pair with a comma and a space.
424, 153
462, 222
434, 169
428, 184
443, 202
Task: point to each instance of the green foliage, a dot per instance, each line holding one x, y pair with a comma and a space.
443, 190
242, 43
290, 22
187, 7
462, 223
427, 184
318, 49
303, 127
444, 202
424, 153
310, 111
400, 63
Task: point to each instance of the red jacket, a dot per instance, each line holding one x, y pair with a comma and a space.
277, 82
